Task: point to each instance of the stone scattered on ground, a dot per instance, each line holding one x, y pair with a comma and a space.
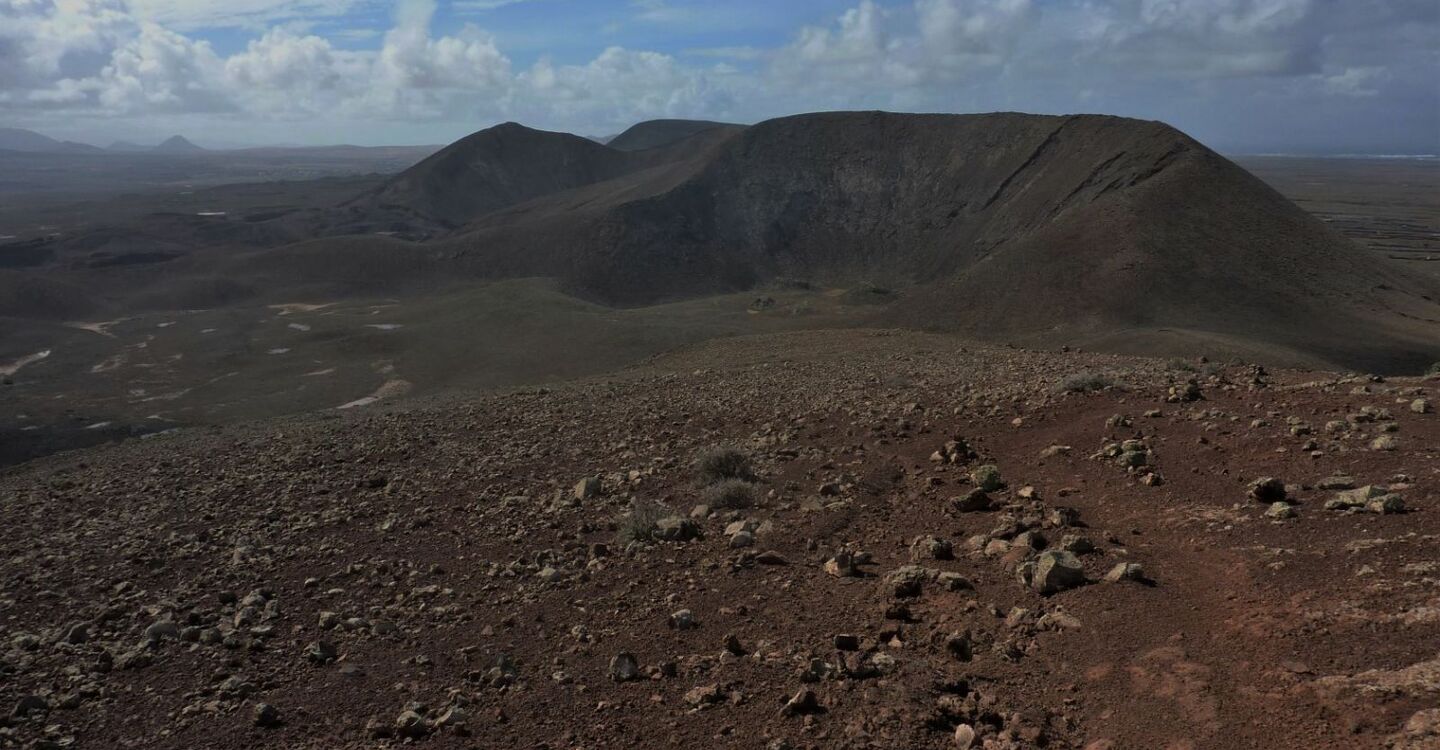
530, 568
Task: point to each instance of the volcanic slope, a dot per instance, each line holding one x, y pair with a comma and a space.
655, 133
494, 168
1094, 231
1116, 233
177, 144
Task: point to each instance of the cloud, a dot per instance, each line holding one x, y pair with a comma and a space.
961, 35
706, 16
355, 34
860, 53
484, 5
93, 55
285, 73
729, 53
159, 70
187, 15
1354, 81
43, 42
1217, 38
415, 75
619, 87
950, 42
463, 76
1198, 62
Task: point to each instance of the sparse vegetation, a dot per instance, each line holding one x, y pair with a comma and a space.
1085, 382
987, 477
868, 294
1205, 369
1434, 369
721, 463
638, 524
730, 494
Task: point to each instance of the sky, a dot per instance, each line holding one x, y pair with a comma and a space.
1245, 76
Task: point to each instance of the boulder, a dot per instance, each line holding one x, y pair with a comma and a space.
974, 501
624, 668
1057, 570
986, 478
1280, 510
676, 529
1125, 572
906, 581
587, 488
1267, 490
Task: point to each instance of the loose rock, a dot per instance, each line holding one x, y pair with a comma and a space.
1056, 570
624, 667
266, 715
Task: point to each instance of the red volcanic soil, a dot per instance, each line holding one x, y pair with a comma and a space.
448, 561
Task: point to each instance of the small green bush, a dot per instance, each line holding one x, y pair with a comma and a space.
1434, 369
1199, 367
1085, 382
868, 294
730, 494
721, 463
987, 477
638, 524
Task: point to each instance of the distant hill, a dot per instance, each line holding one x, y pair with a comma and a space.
655, 133
18, 139
1045, 229
495, 168
177, 144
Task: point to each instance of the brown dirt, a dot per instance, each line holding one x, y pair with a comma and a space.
435, 524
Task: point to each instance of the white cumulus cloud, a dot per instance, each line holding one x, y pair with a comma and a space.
102, 59
619, 87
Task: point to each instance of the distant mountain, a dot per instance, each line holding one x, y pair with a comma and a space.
1108, 233
15, 139
18, 139
510, 164
1126, 234
495, 168
655, 133
177, 144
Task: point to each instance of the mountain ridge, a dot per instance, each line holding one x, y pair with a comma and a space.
20, 139
657, 133
1077, 211
1043, 230
177, 144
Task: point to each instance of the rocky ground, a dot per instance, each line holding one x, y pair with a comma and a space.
812, 540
